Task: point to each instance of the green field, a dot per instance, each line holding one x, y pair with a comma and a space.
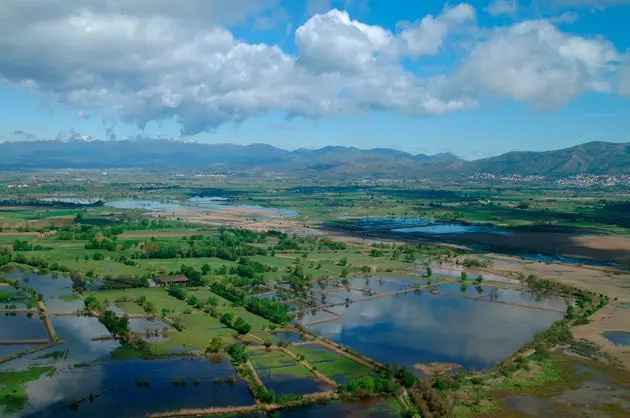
331, 364
276, 364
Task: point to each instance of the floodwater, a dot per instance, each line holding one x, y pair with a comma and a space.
429, 227
172, 384
51, 288
419, 327
9, 350
598, 394
21, 326
553, 245
201, 204
289, 337
368, 408
618, 337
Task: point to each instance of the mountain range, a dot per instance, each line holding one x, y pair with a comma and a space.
334, 161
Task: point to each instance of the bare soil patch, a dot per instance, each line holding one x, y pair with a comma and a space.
610, 318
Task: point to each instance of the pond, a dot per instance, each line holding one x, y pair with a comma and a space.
202, 205
621, 338
419, 327
136, 388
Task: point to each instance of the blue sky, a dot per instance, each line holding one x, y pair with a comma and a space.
475, 78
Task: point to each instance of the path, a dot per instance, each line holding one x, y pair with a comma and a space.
18, 342
229, 410
31, 351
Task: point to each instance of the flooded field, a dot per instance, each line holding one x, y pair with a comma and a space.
57, 291
562, 246
621, 338
420, 327
136, 387
202, 204
21, 326
592, 393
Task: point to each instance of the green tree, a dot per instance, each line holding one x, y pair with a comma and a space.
227, 318
241, 326
215, 345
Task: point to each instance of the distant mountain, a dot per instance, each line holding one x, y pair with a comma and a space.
589, 158
85, 152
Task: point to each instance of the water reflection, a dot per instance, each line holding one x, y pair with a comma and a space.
135, 388
21, 326
199, 204
419, 328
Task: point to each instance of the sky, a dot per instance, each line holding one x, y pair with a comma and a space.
476, 78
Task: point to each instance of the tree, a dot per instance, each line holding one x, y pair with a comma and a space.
227, 318
410, 257
241, 326
343, 261
344, 272
464, 276
479, 279
429, 272
206, 269
215, 345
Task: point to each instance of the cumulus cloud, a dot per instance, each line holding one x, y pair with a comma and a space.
333, 42
502, 7
425, 37
533, 61
151, 60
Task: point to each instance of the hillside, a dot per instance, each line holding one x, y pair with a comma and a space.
334, 161
589, 158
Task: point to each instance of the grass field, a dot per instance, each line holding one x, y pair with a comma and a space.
331, 364
13, 395
276, 364
200, 328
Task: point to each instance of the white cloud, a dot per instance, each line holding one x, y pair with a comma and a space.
565, 17
502, 7
533, 61
153, 60
333, 42
425, 37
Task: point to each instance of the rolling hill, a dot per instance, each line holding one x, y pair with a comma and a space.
335, 161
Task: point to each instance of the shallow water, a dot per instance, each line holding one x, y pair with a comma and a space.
314, 315
618, 337
21, 327
118, 394
429, 227
200, 204
545, 258
51, 289
8, 350
420, 328
369, 408
554, 246
289, 337
77, 333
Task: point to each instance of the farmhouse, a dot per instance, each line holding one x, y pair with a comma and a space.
171, 279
